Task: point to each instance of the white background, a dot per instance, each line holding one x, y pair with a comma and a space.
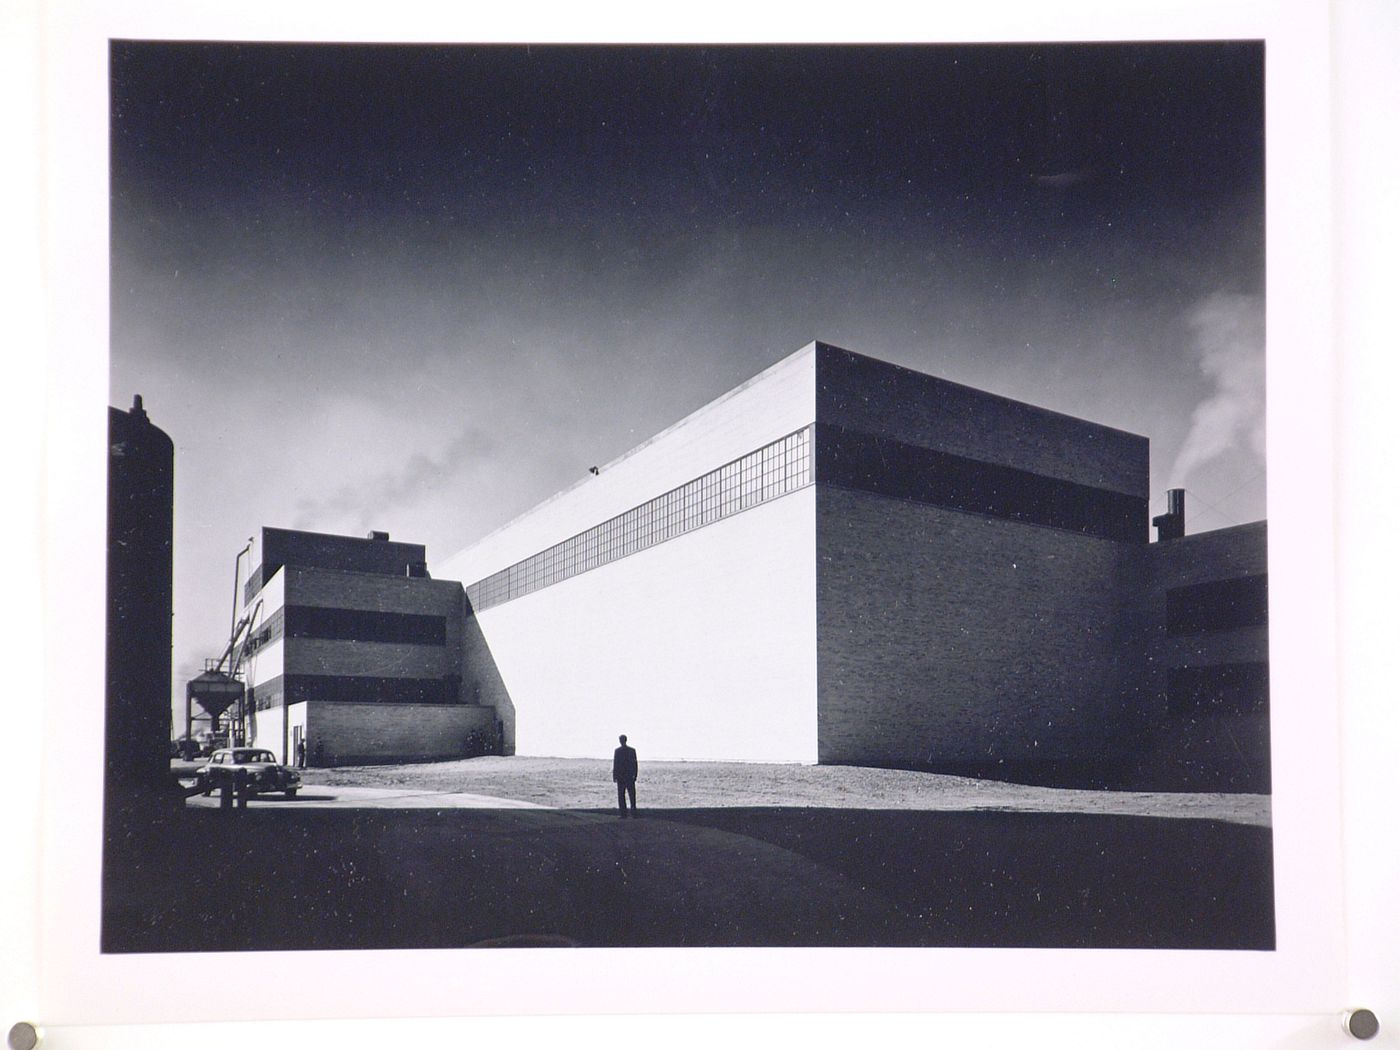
1333, 219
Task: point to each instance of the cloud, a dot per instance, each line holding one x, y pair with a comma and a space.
367, 497
1228, 342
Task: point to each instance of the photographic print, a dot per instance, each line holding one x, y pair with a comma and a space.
620, 496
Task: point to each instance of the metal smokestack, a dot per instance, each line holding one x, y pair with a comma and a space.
1172, 524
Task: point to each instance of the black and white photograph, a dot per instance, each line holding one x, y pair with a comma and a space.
692, 496
824, 526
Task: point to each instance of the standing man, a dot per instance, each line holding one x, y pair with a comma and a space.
625, 776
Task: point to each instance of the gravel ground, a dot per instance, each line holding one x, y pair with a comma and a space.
582, 783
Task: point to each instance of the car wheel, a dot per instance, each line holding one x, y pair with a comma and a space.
290, 793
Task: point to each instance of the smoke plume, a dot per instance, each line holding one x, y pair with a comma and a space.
1228, 337
368, 496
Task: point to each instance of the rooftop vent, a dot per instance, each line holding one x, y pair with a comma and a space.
382, 537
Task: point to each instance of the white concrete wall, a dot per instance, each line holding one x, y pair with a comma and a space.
703, 647
296, 716
271, 729
266, 663
776, 402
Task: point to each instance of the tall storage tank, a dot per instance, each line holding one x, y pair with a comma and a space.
140, 539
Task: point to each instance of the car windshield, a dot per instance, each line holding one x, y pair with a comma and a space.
253, 756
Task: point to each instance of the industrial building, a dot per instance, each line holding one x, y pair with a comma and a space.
840, 561
1206, 676
353, 654
845, 561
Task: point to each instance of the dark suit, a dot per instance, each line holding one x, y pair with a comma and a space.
625, 775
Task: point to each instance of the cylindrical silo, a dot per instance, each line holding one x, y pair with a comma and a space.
140, 540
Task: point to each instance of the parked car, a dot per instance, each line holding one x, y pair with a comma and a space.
255, 767
186, 749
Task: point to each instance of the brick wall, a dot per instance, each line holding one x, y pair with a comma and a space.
329, 588
320, 656
278, 547
874, 397
400, 594
953, 641
1208, 745
481, 678
364, 734
1205, 556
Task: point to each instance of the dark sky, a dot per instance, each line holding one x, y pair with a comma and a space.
421, 288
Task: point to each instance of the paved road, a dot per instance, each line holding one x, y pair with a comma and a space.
319, 796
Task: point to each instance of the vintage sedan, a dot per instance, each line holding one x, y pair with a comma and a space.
254, 769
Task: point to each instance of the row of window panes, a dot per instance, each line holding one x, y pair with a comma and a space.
762, 475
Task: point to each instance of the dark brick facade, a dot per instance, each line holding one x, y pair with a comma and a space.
354, 689
1218, 605
364, 625
318, 550
967, 644
976, 562
348, 734
873, 397
963, 643
481, 679
988, 602
886, 467
1205, 679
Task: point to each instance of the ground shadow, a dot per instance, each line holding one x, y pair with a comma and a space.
1040, 880
279, 878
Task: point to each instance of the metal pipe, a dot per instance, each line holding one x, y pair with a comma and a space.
233, 616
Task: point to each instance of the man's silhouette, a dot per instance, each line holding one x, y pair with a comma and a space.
625, 776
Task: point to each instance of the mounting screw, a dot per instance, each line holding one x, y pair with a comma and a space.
1361, 1024
25, 1036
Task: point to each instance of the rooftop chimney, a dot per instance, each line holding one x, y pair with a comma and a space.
1172, 524
136, 409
